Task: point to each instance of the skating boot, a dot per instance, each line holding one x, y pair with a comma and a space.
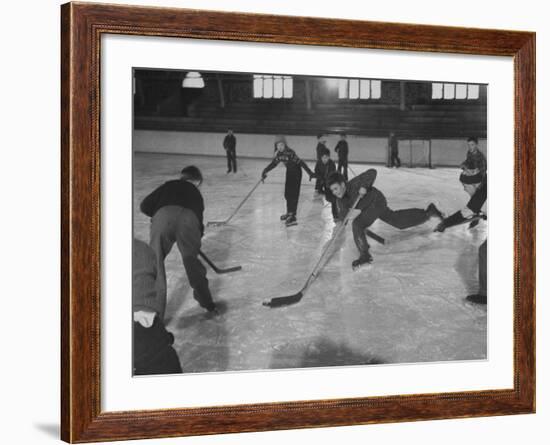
363, 260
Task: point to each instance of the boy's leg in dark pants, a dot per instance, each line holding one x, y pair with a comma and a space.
293, 183
228, 156
482, 267
361, 223
343, 166
395, 160
163, 238
403, 219
188, 239
318, 181
233, 163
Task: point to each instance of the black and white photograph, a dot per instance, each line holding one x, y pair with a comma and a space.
285, 221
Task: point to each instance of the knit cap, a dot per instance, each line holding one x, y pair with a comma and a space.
280, 138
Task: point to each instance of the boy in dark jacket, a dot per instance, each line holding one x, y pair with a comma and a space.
176, 209
342, 150
475, 159
323, 169
319, 150
393, 143
293, 179
372, 206
230, 147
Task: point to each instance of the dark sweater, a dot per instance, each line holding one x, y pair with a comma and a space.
320, 149
291, 161
478, 199
475, 159
323, 171
174, 193
229, 142
365, 180
342, 149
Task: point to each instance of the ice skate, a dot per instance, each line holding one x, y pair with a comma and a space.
364, 260
291, 220
284, 216
477, 299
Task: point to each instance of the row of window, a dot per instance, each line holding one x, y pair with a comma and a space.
267, 86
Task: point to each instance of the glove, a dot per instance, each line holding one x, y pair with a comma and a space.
312, 176
453, 220
263, 176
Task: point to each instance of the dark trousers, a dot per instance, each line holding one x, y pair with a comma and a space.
293, 182
231, 155
174, 224
332, 199
319, 181
343, 168
394, 159
153, 352
400, 219
482, 268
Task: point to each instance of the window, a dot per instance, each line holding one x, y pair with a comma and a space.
359, 89
272, 87
454, 91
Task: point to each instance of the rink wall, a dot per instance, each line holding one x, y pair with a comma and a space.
371, 150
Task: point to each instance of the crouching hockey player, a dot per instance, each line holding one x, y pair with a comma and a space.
372, 206
475, 184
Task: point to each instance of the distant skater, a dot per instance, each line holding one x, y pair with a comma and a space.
230, 147
319, 150
323, 170
372, 206
342, 150
393, 144
293, 179
176, 209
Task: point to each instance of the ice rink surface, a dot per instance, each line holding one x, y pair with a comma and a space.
408, 307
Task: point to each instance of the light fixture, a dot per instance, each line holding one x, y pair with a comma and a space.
193, 79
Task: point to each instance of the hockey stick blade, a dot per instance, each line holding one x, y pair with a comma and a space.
228, 270
216, 268
284, 301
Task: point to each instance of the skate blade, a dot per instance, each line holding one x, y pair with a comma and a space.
362, 266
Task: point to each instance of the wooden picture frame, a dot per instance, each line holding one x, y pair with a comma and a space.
82, 26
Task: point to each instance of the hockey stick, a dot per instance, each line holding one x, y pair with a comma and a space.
295, 298
376, 237
217, 269
221, 223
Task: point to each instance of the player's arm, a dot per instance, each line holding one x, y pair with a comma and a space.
149, 203
474, 208
305, 167
274, 162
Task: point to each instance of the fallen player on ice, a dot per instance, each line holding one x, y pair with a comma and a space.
372, 206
